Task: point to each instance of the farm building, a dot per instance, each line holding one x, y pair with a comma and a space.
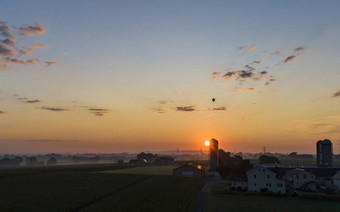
189, 170
263, 179
238, 182
300, 179
336, 179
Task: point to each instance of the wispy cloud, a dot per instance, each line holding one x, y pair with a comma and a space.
98, 111
6, 51
217, 109
38, 29
26, 99
22, 62
258, 61
291, 58
56, 109
336, 94
48, 64
319, 125
32, 48
249, 70
5, 32
242, 90
13, 53
33, 101
252, 47
158, 110
185, 108
298, 49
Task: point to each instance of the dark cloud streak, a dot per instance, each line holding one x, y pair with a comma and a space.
56, 109
185, 108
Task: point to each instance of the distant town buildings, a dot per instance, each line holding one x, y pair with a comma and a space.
324, 153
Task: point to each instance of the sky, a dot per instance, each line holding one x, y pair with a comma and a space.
130, 76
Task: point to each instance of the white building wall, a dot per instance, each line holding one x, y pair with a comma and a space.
300, 178
262, 178
337, 183
238, 184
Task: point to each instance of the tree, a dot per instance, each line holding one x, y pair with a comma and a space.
51, 162
268, 159
293, 154
231, 165
31, 161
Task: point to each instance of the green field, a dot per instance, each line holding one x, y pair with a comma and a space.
148, 170
87, 188
238, 202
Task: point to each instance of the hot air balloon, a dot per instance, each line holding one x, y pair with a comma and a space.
213, 99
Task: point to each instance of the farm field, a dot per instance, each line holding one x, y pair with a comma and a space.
238, 202
83, 188
147, 170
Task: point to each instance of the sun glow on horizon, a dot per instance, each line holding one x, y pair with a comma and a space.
207, 143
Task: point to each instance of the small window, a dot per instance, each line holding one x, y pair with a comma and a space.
264, 170
254, 175
297, 176
255, 184
304, 177
268, 176
270, 185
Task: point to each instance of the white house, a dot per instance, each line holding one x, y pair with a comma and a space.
336, 180
300, 179
260, 178
238, 182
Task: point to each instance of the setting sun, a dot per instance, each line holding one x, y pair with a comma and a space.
206, 143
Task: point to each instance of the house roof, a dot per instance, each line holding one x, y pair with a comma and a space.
239, 177
296, 171
337, 176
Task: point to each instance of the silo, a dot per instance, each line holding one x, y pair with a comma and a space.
213, 163
324, 153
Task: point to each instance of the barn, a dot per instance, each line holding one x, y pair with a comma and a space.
189, 170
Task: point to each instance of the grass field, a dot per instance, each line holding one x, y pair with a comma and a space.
147, 170
83, 188
234, 202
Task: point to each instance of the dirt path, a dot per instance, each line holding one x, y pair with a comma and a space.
202, 198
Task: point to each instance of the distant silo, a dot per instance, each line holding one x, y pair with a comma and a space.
213, 163
324, 153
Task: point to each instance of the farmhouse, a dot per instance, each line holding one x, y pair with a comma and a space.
238, 182
189, 170
300, 179
336, 180
263, 179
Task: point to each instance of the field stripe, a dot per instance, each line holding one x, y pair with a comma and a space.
94, 201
